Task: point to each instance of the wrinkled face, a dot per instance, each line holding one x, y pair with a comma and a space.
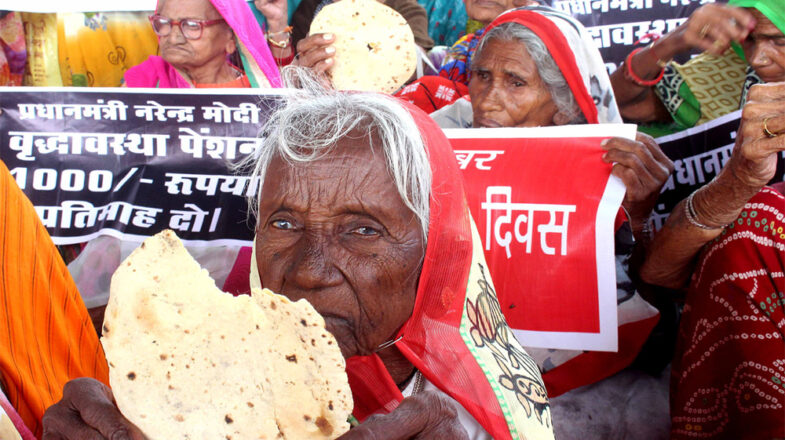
485, 11
506, 89
216, 42
336, 233
765, 49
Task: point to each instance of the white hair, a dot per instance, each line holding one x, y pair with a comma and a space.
546, 67
312, 119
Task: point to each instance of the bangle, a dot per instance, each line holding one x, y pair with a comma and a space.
281, 44
286, 30
689, 212
630, 75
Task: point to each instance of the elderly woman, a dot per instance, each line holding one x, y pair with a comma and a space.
198, 39
726, 241
537, 67
743, 44
522, 76
350, 218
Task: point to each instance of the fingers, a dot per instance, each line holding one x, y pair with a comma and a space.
761, 136
639, 164
771, 92
714, 27
762, 130
86, 411
316, 52
60, 423
428, 415
656, 152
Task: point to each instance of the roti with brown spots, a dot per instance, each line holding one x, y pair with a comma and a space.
188, 361
374, 45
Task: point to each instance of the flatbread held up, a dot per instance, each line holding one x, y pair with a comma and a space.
188, 361
374, 45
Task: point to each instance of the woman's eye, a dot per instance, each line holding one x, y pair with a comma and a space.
286, 225
481, 74
366, 231
191, 25
518, 83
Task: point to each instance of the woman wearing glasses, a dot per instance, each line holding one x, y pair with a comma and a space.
208, 43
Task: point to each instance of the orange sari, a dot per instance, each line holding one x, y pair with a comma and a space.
46, 334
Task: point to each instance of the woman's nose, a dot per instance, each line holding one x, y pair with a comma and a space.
176, 35
489, 98
760, 55
313, 268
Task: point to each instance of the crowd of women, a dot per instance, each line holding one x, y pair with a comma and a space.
348, 217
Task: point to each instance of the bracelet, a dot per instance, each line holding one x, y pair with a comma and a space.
286, 30
630, 75
280, 44
689, 212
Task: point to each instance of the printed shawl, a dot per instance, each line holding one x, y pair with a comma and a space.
728, 372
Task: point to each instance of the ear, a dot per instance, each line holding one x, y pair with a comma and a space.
231, 44
561, 119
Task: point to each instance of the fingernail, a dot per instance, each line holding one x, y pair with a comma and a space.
328, 61
605, 156
604, 142
327, 36
329, 49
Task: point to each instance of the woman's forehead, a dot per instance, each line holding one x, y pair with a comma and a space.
343, 182
351, 166
764, 26
512, 54
176, 9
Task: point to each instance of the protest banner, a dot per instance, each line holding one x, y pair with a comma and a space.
132, 162
617, 25
545, 204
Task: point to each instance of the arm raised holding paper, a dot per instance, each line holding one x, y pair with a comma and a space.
706, 213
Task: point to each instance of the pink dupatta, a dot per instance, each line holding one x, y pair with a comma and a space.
258, 62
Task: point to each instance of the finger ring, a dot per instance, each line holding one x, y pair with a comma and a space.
766, 129
704, 31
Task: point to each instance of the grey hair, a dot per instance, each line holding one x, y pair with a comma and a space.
311, 119
546, 67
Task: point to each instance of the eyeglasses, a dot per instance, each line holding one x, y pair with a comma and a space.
190, 27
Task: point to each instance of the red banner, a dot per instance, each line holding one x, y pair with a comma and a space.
545, 204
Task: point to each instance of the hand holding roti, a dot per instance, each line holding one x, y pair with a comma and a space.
361, 45
189, 361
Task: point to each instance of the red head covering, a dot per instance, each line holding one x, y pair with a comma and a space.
560, 50
431, 339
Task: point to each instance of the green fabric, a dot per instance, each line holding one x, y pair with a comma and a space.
774, 10
248, 71
689, 111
